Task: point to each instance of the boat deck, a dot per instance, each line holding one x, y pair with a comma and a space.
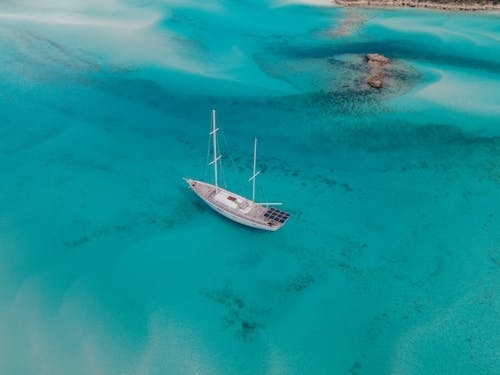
238, 208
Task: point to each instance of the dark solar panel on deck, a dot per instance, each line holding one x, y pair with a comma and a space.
277, 215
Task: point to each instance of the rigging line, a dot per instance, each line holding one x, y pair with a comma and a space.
228, 154
262, 193
208, 152
223, 175
226, 146
222, 171
221, 167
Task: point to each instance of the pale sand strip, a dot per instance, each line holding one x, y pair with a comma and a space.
70, 20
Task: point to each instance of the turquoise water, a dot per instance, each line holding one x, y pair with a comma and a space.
110, 265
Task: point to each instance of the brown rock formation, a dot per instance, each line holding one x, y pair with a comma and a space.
375, 80
376, 59
376, 63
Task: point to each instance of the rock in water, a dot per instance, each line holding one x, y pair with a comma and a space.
376, 62
376, 59
375, 80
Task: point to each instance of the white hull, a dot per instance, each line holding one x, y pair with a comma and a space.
240, 220
234, 206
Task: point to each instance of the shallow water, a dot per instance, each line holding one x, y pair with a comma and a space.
108, 264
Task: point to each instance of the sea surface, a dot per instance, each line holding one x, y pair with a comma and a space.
109, 264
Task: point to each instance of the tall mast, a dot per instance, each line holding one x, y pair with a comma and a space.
216, 158
255, 174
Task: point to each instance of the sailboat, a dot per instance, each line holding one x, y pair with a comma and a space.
233, 206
